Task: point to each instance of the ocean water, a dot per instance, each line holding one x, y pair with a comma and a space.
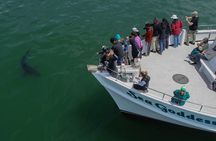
66, 103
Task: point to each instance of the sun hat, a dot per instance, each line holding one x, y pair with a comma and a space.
134, 29
118, 36
174, 17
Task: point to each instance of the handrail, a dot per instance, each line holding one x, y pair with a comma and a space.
186, 101
201, 106
164, 94
211, 26
203, 26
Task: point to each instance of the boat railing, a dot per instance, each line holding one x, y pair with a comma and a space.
207, 27
208, 31
188, 104
167, 97
203, 27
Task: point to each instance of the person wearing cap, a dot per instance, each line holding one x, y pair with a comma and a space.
136, 33
176, 29
118, 50
125, 46
118, 37
134, 48
180, 96
193, 26
143, 83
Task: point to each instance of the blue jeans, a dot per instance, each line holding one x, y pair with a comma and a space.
176, 40
162, 45
199, 56
119, 61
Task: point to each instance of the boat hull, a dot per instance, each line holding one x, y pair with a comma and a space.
132, 101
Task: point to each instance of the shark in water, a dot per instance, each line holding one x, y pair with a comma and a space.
27, 68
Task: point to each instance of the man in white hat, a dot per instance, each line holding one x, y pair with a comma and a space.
176, 29
193, 26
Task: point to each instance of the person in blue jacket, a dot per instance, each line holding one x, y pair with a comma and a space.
180, 96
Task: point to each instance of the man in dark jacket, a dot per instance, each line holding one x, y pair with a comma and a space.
164, 32
154, 43
118, 50
134, 48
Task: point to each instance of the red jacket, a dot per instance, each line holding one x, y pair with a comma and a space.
176, 27
149, 34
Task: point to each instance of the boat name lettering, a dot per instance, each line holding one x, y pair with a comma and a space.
170, 111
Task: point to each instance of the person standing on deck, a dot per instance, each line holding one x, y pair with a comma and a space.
163, 35
193, 26
111, 59
118, 50
167, 31
148, 38
135, 31
134, 48
154, 43
176, 28
125, 44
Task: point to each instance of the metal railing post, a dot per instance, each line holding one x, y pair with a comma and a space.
201, 108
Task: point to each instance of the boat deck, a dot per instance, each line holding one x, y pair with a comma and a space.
173, 61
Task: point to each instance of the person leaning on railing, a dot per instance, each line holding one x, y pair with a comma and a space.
202, 46
207, 54
180, 96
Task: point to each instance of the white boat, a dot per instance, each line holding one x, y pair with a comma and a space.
199, 111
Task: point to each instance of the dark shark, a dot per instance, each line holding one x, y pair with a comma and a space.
26, 67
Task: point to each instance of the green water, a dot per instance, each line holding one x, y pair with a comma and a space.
66, 103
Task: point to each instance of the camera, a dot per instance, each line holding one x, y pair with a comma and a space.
104, 49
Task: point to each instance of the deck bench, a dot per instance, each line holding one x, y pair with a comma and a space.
208, 67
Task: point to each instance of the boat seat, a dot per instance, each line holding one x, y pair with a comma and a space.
209, 69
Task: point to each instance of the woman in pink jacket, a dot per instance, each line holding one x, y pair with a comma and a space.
138, 40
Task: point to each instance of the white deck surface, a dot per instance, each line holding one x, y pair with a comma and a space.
161, 68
